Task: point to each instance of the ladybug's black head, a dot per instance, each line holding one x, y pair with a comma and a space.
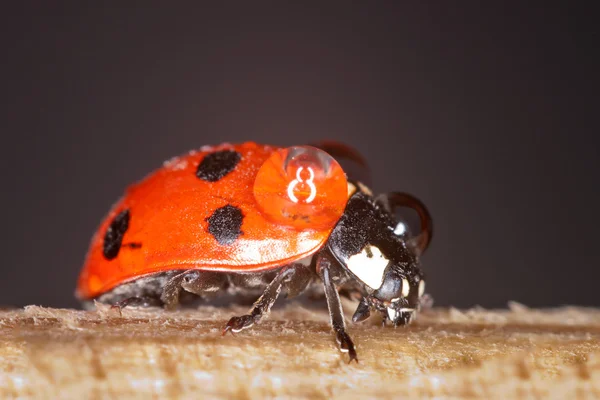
368, 243
398, 298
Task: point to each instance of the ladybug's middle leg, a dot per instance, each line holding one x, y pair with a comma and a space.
294, 277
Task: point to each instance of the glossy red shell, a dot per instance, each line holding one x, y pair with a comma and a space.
168, 222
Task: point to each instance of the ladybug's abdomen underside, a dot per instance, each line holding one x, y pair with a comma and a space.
186, 217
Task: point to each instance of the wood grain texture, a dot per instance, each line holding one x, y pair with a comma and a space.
151, 353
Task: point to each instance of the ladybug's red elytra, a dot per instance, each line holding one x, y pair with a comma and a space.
256, 217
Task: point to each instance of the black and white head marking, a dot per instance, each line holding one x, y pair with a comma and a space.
365, 244
369, 266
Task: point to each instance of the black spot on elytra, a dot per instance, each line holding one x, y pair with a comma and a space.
215, 166
225, 224
132, 245
114, 235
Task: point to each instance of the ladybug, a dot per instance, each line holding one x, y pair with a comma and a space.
253, 218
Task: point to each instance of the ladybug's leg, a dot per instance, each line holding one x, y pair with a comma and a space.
193, 281
291, 276
141, 301
335, 307
303, 276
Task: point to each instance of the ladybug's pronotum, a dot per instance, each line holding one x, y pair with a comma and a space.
261, 218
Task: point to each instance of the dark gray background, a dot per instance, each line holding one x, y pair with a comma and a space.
484, 111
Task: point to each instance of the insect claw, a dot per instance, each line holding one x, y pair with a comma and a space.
352, 356
118, 308
227, 329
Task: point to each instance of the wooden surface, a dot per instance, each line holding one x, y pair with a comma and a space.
513, 353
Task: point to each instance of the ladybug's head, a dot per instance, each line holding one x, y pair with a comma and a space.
398, 298
373, 247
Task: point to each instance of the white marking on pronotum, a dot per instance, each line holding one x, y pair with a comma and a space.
395, 300
369, 269
405, 287
309, 182
421, 288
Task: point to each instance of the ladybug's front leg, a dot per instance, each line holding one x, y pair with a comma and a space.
291, 276
335, 307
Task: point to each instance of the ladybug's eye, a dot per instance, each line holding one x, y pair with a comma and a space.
303, 187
